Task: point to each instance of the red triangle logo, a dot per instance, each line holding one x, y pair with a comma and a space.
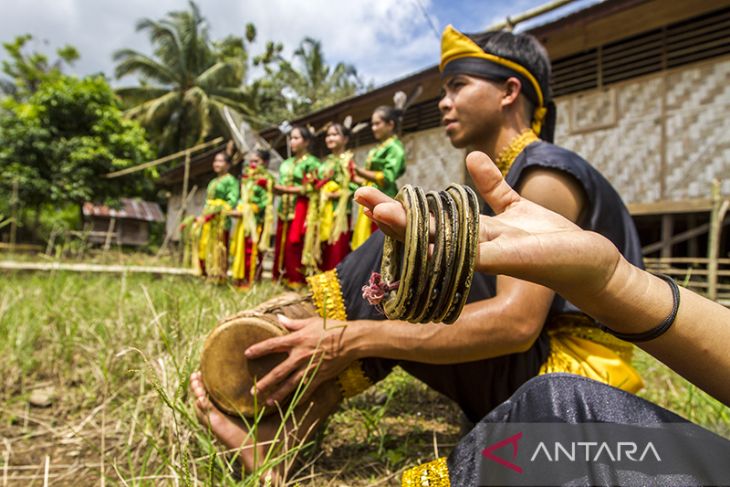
513, 440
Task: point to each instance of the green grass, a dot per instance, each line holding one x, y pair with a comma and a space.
117, 351
94, 255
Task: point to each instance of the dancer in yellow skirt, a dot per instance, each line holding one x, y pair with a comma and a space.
385, 163
221, 196
252, 237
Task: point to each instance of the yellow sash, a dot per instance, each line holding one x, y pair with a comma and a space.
577, 348
363, 227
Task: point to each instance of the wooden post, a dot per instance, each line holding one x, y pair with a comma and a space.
178, 217
719, 210
692, 245
663, 163
14, 216
183, 196
667, 231
109, 233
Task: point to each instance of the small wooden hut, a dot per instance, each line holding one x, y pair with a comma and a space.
127, 225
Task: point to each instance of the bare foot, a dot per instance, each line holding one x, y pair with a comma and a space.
228, 430
235, 435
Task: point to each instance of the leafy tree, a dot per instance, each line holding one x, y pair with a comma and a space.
59, 143
186, 79
293, 88
26, 71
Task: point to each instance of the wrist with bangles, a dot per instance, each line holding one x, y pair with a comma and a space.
658, 330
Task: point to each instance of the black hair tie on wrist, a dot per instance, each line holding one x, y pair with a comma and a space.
663, 326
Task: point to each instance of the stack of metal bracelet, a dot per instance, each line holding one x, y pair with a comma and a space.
433, 272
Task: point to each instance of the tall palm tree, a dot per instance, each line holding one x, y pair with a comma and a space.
184, 82
316, 83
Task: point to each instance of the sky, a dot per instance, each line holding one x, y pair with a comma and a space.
383, 39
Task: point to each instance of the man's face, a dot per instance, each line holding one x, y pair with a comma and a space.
470, 110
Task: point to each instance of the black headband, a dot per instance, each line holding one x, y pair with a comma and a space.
491, 71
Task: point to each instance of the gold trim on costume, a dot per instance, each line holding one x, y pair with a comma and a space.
353, 381
431, 474
507, 156
578, 347
327, 297
379, 177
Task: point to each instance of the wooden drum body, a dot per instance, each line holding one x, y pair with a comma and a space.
227, 374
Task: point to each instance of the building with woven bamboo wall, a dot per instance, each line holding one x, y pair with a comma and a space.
642, 89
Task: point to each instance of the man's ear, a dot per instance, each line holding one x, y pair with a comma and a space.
512, 90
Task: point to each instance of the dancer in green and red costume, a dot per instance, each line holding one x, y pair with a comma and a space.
255, 214
384, 165
336, 184
295, 183
221, 197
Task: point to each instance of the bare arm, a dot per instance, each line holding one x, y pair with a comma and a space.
367, 174
529, 242
279, 189
508, 323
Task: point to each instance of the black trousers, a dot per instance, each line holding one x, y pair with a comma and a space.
477, 387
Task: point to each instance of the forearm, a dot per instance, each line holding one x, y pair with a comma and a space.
635, 301
368, 175
484, 330
288, 189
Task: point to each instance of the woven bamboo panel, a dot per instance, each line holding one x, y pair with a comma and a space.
698, 145
627, 148
624, 149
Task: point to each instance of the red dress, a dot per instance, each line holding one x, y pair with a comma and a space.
297, 173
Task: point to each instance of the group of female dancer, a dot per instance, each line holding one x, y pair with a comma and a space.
310, 200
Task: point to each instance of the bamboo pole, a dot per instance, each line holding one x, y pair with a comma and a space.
719, 210
14, 216
186, 177
7, 265
510, 23
109, 233
162, 160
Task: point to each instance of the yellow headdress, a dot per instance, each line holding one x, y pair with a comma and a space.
460, 54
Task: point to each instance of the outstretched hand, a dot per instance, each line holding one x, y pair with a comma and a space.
523, 240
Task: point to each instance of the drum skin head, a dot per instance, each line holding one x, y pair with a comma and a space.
227, 375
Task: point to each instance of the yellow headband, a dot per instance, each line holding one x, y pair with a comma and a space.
455, 45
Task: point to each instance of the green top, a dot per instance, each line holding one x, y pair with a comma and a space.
256, 186
388, 158
337, 168
295, 171
222, 188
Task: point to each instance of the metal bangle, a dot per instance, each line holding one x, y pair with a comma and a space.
663, 326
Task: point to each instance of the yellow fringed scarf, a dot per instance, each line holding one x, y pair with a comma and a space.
211, 247
312, 252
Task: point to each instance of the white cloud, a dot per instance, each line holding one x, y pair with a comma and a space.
384, 39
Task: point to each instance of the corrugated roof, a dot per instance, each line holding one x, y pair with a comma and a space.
131, 209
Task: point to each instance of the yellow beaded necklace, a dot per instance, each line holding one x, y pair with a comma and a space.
507, 156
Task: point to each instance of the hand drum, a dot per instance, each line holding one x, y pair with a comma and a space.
226, 372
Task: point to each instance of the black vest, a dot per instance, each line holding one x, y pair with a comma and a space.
605, 212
